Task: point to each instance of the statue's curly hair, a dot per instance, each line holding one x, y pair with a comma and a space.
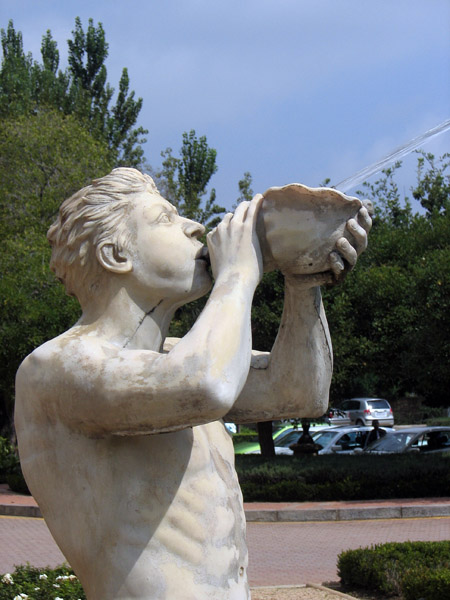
95, 214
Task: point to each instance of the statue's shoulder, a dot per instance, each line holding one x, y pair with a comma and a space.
45, 361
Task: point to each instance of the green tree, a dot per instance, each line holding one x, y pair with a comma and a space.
433, 185
184, 180
390, 320
389, 207
245, 188
44, 158
81, 89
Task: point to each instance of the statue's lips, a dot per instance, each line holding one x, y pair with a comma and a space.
203, 255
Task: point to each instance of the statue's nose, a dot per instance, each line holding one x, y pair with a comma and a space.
193, 229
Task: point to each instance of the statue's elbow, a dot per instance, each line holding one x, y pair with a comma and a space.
219, 398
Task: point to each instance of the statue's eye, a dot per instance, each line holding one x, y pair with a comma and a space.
164, 218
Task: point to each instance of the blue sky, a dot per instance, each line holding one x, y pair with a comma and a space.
290, 90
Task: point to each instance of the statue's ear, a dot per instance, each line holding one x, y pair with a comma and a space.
112, 259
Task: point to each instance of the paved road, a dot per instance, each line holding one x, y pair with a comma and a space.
280, 553
295, 553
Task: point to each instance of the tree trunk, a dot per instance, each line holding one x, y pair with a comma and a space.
265, 438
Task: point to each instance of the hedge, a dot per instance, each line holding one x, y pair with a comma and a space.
414, 570
331, 477
239, 438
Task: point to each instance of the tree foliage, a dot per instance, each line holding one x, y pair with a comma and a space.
59, 131
433, 184
245, 188
27, 86
44, 158
184, 180
390, 319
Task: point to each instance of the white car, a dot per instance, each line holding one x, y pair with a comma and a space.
334, 440
289, 436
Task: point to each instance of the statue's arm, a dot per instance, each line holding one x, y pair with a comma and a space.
99, 389
294, 379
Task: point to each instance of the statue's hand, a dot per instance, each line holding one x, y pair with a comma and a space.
344, 257
233, 245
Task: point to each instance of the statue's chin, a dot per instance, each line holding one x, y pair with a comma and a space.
200, 287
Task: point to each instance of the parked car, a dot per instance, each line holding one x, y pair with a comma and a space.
254, 447
336, 416
278, 437
414, 439
339, 440
363, 411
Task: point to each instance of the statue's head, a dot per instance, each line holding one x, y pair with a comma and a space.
117, 226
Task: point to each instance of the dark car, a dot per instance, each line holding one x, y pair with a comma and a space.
414, 439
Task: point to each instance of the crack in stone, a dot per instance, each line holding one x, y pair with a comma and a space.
144, 316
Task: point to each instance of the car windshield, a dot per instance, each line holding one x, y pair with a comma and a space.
395, 442
282, 434
323, 437
378, 404
290, 438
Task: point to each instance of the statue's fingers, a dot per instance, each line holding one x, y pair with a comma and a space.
347, 251
359, 235
241, 211
364, 216
337, 265
254, 206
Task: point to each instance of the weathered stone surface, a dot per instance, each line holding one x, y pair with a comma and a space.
119, 428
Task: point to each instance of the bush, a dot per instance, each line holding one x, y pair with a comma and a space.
439, 421
17, 483
428, 584
10, 470
416, 570
238, 438
8, 459
330, 477
41, 584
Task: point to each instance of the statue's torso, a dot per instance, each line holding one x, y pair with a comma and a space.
160, 514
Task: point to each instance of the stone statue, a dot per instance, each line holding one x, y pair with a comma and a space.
120, 429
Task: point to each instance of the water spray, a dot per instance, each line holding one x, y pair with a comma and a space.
348, 184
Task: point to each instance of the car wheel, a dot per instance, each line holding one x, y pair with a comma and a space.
359, 423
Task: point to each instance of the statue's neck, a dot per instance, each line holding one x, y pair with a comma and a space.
121, 321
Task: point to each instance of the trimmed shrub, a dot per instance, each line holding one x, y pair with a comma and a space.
7, 458
238, 438
416, 570
331, 477
439, 421
426, 584
17, 483
9, 461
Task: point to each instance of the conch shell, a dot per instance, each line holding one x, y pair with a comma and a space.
298, 227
